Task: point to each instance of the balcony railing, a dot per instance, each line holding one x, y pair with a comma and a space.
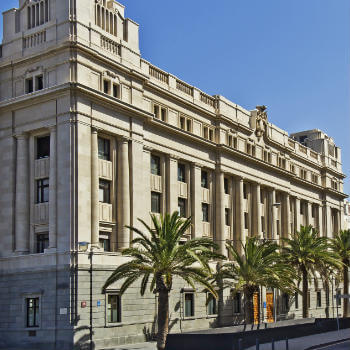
156, 183
187, 89
105, 169
105, 212
206, 229
205, 195
110, 45
42, 168
34, 39
158, 74
209, 100
41, 213
182, 189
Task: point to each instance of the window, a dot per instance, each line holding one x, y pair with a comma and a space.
116, 90
245, 192
237, 303
181, 173
42, 242
267, 156
105, 241
155, 165
104, 191
113, 308
189, 304
155, 202
106, 86
314, 178
296, 300
211, 304
205, 132
263, 224
246, 221
285, 303
182, 123
308, 299
302, 209
43, 147
160, 112
227, 216
29, 85
39, 83
204, 179
278, 227
205, 212
189, 125
211, 134
303, 173
318, 298
262, 196
226, 189
103, 149
32, 306
42, 191
182, 207
185, 123
156, 111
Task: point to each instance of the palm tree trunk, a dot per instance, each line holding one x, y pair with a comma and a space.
163, 318
326, 287
305, 293
248, 306
346, 287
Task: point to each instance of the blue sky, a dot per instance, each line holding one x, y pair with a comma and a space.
292, 56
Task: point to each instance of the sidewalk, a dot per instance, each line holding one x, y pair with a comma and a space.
306, 342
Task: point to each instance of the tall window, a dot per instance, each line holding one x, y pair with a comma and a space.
227, 216
42, 242
211, 304
181, 173
104, 149
39, 82
319, 298
182, 207
237, 303
155, 202
285, 303
104, 191
245, 192
113, 308
204, 179
205, 212
29, 85
32, 306
106, 86
42, 191
246, 221
116, 90
43, 147
226, 189
155, 165
189, 304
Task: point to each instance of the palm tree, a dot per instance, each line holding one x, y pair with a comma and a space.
257, 264
341, 245
308, 253
158, 257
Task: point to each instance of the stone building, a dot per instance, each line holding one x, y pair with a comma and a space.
93, 137
346, 215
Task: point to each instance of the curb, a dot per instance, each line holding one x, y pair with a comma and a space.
327, 344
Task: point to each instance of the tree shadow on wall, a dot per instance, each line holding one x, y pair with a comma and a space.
150, 333
83, 343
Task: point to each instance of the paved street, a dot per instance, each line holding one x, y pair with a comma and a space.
341, 346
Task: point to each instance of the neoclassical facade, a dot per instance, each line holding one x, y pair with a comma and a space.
92, 138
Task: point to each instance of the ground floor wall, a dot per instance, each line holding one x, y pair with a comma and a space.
75, 311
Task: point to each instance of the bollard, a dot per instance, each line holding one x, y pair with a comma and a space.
287, 344
240, 344
273, 344
257, 344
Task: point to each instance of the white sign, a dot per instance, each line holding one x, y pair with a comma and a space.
63, 311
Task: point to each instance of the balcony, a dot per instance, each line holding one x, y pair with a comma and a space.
205, 195
42, 168
206, 229
227, 232
156, 183
105, 169
105, 212
41, 213
182, 189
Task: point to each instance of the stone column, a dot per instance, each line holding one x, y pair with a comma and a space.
171, 184
341, 217
286, 217
220, 213
239, 237
257, 212
297, 214
95, 210
273, 214
52, 191
320, 220
123, 194
309, 213
22, 195
196, 200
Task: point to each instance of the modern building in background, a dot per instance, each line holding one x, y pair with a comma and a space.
92, 138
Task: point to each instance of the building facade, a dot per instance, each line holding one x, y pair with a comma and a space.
346, 215
92, 138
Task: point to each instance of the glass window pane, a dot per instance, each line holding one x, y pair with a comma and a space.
155, 202
43, 147
204, 179
181, 173
205, 212
188, 305
182, 207
155, 165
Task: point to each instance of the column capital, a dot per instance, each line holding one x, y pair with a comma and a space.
93, 130
53, 128
21, 136
172, 157
195, 165
123, 139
